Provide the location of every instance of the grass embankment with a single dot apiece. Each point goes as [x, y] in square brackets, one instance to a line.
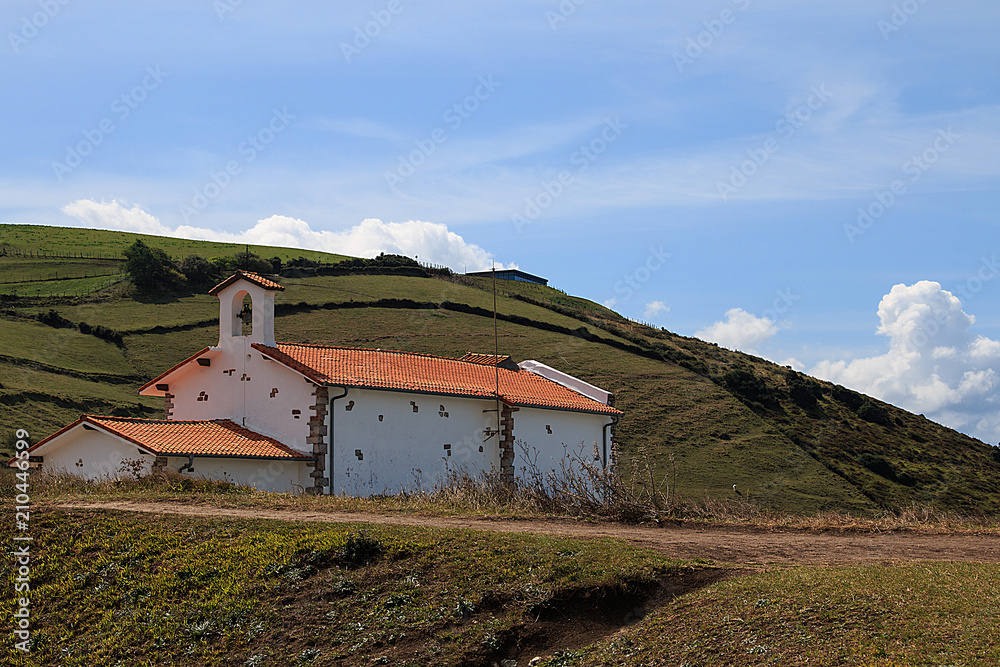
[117, 588]
[941, 614]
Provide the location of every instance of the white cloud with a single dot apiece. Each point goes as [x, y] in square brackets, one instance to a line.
[654, 309]
[935, 365]
[113, 215]
[739, 331]
[427, 241]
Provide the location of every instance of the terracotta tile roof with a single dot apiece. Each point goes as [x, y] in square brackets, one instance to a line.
[406, 371]
[246, 275]
[218, 437]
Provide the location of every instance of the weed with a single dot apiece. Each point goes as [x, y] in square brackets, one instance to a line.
[360, 548]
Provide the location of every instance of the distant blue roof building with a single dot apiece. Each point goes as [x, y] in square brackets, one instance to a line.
[511, 274]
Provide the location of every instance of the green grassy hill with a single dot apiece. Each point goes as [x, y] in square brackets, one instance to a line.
[787, 441]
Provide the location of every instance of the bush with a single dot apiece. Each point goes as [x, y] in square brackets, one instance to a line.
[851, 399]
[55, 320]
[108, 335]
[747, 385]
[879, 465]
[359, 549]
[874, 414]
[301, 263]
[803, 391]
[200, 272]
[149, 267]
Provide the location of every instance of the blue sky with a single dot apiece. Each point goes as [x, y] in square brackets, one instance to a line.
[759, 173]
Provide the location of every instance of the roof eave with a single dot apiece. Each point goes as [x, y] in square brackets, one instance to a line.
[173, 369]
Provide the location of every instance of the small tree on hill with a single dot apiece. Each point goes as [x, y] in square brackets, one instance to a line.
[148, 267]
[199, 271]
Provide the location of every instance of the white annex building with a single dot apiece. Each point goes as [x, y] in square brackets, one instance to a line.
[321, 419]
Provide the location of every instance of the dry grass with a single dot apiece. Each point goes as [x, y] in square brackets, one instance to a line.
[580, 490]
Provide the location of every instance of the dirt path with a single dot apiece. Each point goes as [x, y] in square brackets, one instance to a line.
[725, 543]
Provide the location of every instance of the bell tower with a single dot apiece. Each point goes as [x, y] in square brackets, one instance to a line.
[236, 310]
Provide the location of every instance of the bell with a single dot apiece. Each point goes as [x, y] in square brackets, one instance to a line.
[246, 314]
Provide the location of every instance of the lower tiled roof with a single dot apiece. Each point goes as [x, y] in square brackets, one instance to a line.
[218, 437]
[407, 371]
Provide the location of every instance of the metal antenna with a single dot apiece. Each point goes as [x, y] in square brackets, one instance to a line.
[496, 344]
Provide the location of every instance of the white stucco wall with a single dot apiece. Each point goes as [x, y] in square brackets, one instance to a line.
[263, 475]
[549, 435]
[403, 442]
[92, 455]
[97, 455]
[263, 395]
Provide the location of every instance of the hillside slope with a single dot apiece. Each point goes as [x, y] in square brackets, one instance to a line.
[702, 417]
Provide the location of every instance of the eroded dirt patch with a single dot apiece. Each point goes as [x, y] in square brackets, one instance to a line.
[578, 618]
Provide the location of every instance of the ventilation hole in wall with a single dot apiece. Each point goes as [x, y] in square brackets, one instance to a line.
[415, 407]
[274, 392]
[548, 429]
[202, 396]
[245, 378]
[349, 406]
[296, 413]
[380, 417]
[229, 372]
[448, 449]
[79, 464]
[357, 452]
[480, 448]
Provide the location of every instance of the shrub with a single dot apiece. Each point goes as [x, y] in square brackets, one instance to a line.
[148, 267]
[803, 391]
[360, 548]
[874, 414]
[746, 385]
[199, 271]
[851, 399]
[879, 465]
[55, 320]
